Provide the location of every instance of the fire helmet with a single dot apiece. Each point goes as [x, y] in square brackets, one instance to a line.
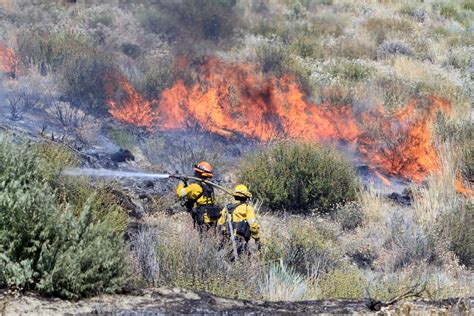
[204, 169]
[242, 191]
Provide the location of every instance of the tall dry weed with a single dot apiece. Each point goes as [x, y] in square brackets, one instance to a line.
[438, 196]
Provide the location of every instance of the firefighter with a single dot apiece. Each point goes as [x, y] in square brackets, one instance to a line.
[241, 216]
[198, 197]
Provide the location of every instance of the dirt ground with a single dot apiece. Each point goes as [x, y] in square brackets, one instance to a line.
[160, 301]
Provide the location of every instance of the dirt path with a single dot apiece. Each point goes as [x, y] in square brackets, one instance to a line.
[178, 301]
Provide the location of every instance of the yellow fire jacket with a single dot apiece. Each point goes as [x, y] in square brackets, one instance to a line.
[194, 192]
[243, 212]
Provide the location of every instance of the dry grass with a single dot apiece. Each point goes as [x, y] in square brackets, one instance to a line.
[438, 196]
[373, 205]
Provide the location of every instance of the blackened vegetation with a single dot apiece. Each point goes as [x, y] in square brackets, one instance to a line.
[123, 155]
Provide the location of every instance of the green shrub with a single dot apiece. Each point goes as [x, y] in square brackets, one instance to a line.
[43, 246]
[54, 158]
[123, 138]
[345, 282]
[50, 51]
[151, 20]
[468, 5]
[305, 246]
[451, 11]
[349, 216]
[278, 60]
[299, 177]
[271, 58]
[104, 207]
[158, 75]
[352, 71]
[193, 20]
[83, 81]
[458, 225]
[101, 18]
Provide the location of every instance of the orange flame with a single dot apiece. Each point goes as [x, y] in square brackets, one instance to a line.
[231, 99]
[384, 180]
[135, 109]
[463, 188]
[402, 143]
[9, 62]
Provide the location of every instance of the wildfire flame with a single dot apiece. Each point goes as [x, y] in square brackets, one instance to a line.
[463, 188]
[134, 109]
[9, 62]
[237, 99]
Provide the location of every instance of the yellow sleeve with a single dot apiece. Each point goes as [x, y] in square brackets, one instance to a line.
[179, 189]
[191, 192]
[222, 219]
[254, 225]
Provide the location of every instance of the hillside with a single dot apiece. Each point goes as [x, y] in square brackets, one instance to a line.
[350, 122]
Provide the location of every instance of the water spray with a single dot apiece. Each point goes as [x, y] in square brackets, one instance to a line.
[107, 173]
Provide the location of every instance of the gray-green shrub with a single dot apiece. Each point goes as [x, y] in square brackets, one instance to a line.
[49, 51]
[299, 177]
[83, 81]
[458, 226]
[43, 246]
[192, 20]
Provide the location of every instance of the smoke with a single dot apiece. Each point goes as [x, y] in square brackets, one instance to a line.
[77, 172]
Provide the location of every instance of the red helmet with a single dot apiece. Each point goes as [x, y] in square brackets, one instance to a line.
[204, 169]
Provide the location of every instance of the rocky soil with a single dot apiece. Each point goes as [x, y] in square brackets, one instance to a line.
[178, 301]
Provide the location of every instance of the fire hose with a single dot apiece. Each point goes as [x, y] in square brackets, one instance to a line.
[79, 172]
[185, 177]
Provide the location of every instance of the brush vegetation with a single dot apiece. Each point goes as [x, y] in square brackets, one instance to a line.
[303, 178]
[53, 247]
[329, 239]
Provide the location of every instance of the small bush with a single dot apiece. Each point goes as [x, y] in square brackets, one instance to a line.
[305, 246]
[158, 75]
[382, 28]
[50, 51]
[192, 20]
[83, 81]
[468, 5]
[349, 216]
[299, 177]
[468, 158]
[451, 11]
[123, 138]
[388, 48]
[131, 50]
[43, 246]
[101, 19]
[53, 159]
[104, 207]
[345, 282]
[271, 57]
[351, 71]
[410, 243]
[354, 47]
[458, 225]
[151, 20]
[281, 283]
